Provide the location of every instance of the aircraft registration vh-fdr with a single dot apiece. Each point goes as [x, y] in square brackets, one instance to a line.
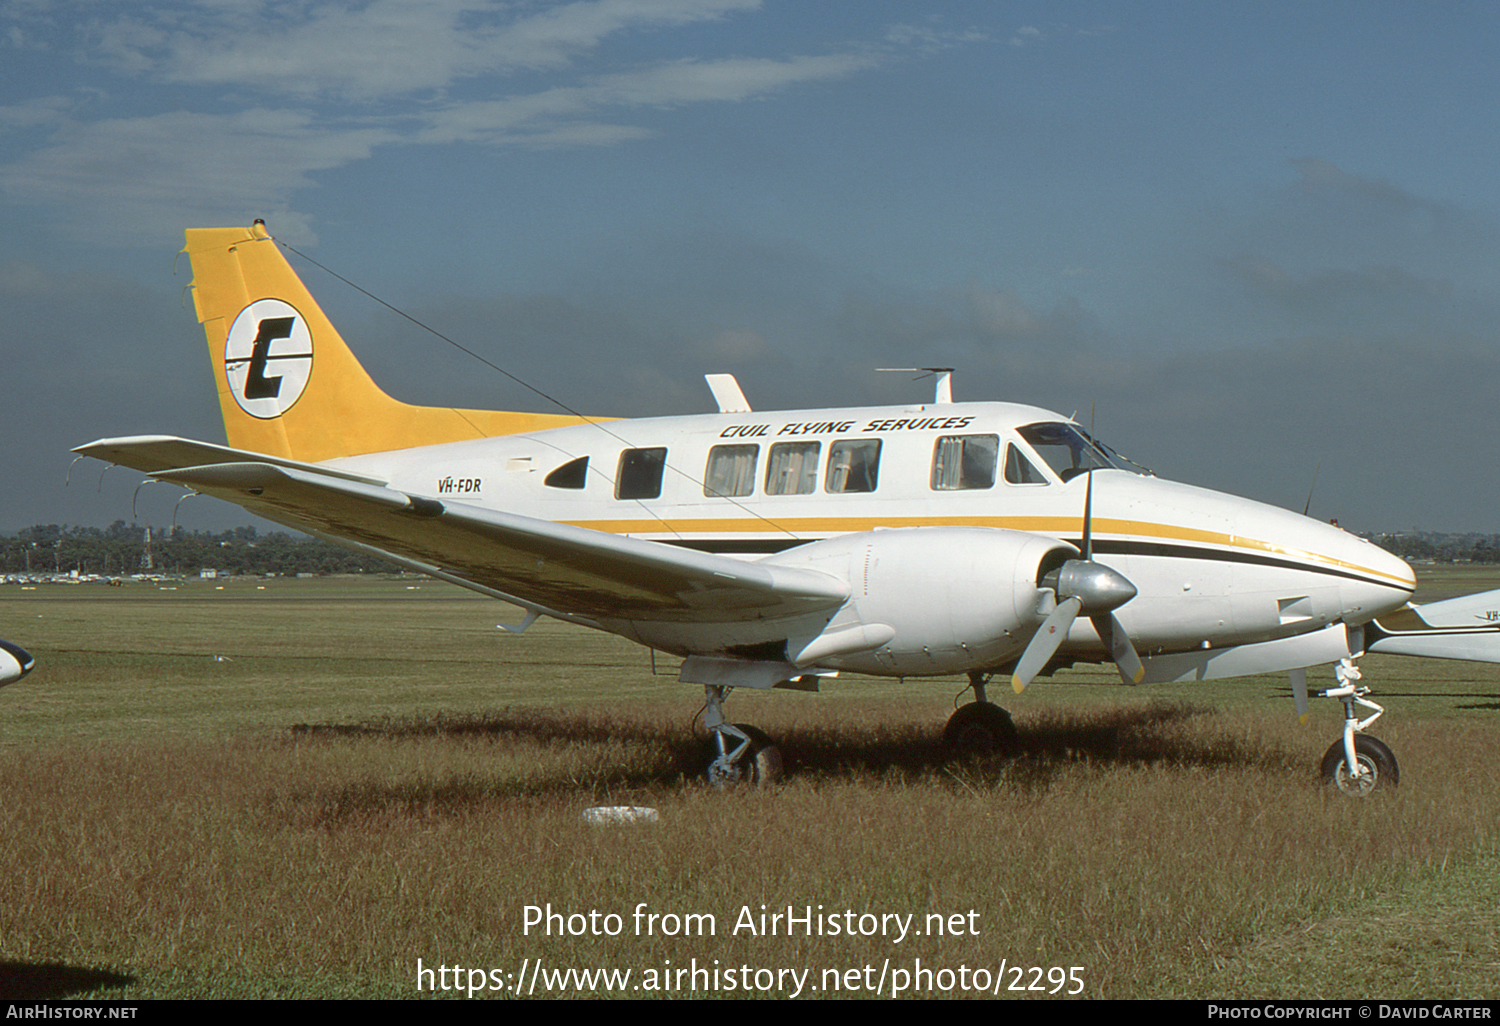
[768, 549]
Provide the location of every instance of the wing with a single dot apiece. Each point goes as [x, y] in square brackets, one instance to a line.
[1467, 627]
[555, 568]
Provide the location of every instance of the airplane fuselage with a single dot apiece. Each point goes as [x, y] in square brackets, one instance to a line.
[1211, 570]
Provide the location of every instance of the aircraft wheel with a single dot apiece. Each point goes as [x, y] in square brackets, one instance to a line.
[1373, 755]
[759, 767]
[981, 728]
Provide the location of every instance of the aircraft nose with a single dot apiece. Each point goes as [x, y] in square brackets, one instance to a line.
[1379, 583]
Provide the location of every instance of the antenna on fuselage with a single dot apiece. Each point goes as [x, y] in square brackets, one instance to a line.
[727, 393]
[943, 393]
[1310, 488]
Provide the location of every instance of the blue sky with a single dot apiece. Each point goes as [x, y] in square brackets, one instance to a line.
[1261, 239]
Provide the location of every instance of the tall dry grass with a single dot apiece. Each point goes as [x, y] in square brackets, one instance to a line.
[304, 790]
[1154, 845]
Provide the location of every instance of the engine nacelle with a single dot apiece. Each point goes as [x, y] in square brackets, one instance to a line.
[15, 663]
[926, 601]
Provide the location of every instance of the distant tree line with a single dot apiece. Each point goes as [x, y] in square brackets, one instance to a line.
[117, 550]
[1442, 548]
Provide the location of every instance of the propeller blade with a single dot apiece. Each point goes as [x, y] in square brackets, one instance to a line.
[1088, 498]
[1112, 633]
[1088, 518]
[1044, 642]
[1299, 691]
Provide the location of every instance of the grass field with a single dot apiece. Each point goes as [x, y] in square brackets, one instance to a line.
[302, 788]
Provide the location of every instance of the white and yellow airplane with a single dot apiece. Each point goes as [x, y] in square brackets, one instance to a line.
[769, 548]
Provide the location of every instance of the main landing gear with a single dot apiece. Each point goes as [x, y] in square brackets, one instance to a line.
[1373, 765]
[739, 753]
[981, 727]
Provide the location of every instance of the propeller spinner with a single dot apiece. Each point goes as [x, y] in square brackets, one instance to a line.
[1096, 591]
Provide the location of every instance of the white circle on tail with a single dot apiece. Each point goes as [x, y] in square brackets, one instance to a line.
[268, 358]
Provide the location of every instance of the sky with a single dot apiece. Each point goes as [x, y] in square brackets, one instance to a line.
[1261, 242]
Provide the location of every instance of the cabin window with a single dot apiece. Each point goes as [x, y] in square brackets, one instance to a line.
[1019, 470]
[853, 465]
[572, 474]
[792, 468]
[960, 462]
[640, 473]
[731, 470]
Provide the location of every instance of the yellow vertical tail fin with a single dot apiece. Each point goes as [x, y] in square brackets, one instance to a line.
[288, 384]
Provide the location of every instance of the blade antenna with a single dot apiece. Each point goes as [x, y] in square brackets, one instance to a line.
[1308, 505]
[1088, 498]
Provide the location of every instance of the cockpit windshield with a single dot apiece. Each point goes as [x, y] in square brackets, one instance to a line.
[1070, 452]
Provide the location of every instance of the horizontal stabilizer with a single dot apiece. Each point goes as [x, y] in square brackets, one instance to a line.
[152, 453]
[1467, 627]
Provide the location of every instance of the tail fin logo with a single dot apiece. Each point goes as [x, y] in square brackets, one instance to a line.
[268, 358]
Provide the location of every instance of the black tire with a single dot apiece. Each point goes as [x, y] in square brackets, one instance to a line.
[981, 728]
[1373, 755]
[760, 766]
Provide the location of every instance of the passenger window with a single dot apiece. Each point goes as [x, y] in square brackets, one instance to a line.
[640, 473]
[792, 468]
[1018, 469]
[573, 474]
[964, 461]
[731, 470]
[853, 465]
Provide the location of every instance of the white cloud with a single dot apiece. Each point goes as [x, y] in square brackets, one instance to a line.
[998, 313]
[387, 48]
[737, 345]
[928, 39]
[42, 111]
[135, 174]
[547, 117]
[732, 79]
[382, 73]
[1026, 34]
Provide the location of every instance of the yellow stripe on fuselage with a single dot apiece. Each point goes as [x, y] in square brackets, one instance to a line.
[800, 527]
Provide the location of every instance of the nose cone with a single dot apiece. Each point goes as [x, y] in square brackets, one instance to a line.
[1386, 585]
[15, 663]
[1370, 580]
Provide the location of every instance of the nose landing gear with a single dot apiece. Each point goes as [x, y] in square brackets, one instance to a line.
[1357, 764]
